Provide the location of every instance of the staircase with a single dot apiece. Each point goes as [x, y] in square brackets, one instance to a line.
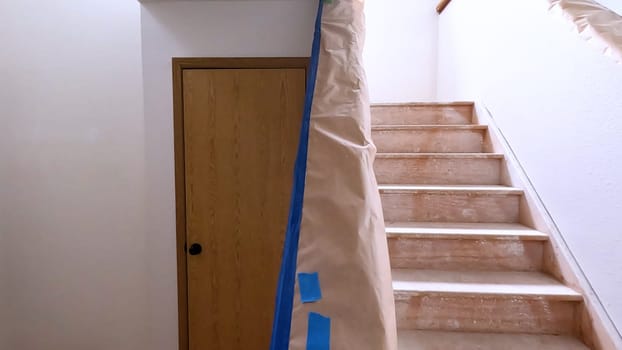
[466, 274]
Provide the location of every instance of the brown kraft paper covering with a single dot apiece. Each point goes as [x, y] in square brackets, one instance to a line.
[342, 233]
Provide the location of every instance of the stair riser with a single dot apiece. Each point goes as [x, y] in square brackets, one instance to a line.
[438, 171]
[465, 254]
[437, 340]
[422, 115]
[429, 141]
[450, 207]
[485, 314]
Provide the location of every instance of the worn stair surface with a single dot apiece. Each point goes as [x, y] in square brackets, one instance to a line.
[429, 138]
[482, 301]
[439, 168]
[465, 246]
[432, 340]
[439, 203]
[466, 273]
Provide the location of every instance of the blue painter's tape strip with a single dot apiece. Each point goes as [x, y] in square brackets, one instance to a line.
[309, 284]
[281, 327]
[318, 332]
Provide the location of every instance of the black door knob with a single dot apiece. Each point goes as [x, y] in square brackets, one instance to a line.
[195, 249]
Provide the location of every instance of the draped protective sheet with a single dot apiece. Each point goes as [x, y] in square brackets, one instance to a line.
[336, 226]
[595, 23]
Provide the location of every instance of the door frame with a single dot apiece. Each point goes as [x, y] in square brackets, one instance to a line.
[179, 65]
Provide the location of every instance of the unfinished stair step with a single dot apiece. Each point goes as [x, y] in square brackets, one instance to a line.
[437, 340]
[465, 230]
[527, 285]
[435, 203]
[429, 138]
[484, 301]
[465, 246]
[457, 113]
[439, 168]
[452, 189]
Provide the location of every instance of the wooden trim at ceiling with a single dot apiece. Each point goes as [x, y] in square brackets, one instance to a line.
[240, 63]
[179, 65]
[442, 5]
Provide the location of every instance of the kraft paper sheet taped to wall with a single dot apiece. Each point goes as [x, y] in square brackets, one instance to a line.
[336, 226]
[595, 23]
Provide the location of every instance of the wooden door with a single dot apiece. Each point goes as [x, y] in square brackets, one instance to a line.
[240, 136]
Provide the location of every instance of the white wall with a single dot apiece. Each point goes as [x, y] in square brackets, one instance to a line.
[401, 50]
[615, 5]
[197, 29]
[558, 101]
[72, 184]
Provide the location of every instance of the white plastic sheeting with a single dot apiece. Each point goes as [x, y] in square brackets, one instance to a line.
[595, 23]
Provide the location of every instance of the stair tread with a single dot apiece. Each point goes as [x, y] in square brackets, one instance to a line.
[465, 230]
[394, 127]
[465, 155]
[439, 340]
[492, 283]
[468, 189]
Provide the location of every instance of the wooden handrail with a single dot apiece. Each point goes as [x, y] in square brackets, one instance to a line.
[441, 6]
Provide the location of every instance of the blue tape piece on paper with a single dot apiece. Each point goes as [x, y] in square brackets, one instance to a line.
[318, 333]
[309, 283]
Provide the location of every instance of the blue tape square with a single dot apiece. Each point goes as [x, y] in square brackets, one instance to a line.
[318, 333]
[309, 283]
